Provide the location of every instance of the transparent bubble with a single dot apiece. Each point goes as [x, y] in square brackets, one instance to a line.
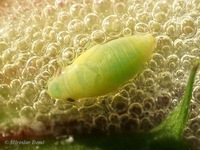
[165, 79]
[49, 33]
[141, 79]
[178, 7]
[59, 3]
[81, 40]
[48, 11]
[120, 8]
[163, 99]
[119, 104]
[63, 38]
[146, 124]
[40, 81]
[45, 75]
[153, 65]
[53, 49]
[124, 93]
[92, 21]
[64, 17]
[135, 109]
[196, 93]
[195, 52]
[29, 90]
[89, 102]
[173, 62]
[131, 126]
[150, 82]
[193, 141]
[98, 36]
[161, 11]
[159, 59]
[195, 125]
[68, 55]
[93, 110]
[10, 70]
[187, 132]
[138, 96]
[15, 85]
[148, 103]
[35, 18]
[86, 2]
[130, 23]
[42, 117]
[131, 11]
[102, 6]
[30, 71]
[130, 88]
[3, 46]
[77, 10]
[127, 32]
[164, 44]
[37, 46]
[76, 25]
[32, 61]
[45, 99]
[179, 73]
[14, 105]
[190, 44]
[171, 28]
[124, 118]
[143, 17]
[58, 25]
[138, 7]
[42, 61]
[148, 73]
[31, 30]
[179, 88]
[63, 105]
[37, 34]
[112, 25]
[113, 118]
[55, 63]
[198, 133]
[141, 27]
[27, 112]
[113, 128]
[39, 107]
[155, 27]
[21, 59]
[1, 62]
[100, 121]
[158, 116]
[187, 61]
[188, 27]
[51, 70]
[191, 6]
[148, 5]
[198, 22]
[178, 46]
[7, 55]
[5, 90]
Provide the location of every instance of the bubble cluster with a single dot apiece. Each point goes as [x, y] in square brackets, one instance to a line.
[38, 38]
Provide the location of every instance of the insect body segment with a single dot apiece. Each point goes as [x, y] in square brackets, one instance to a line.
[103, 68]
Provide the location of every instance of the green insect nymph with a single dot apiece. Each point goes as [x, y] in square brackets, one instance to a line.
[103, 68]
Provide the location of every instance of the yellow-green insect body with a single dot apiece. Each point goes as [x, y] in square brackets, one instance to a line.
[103, 68]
